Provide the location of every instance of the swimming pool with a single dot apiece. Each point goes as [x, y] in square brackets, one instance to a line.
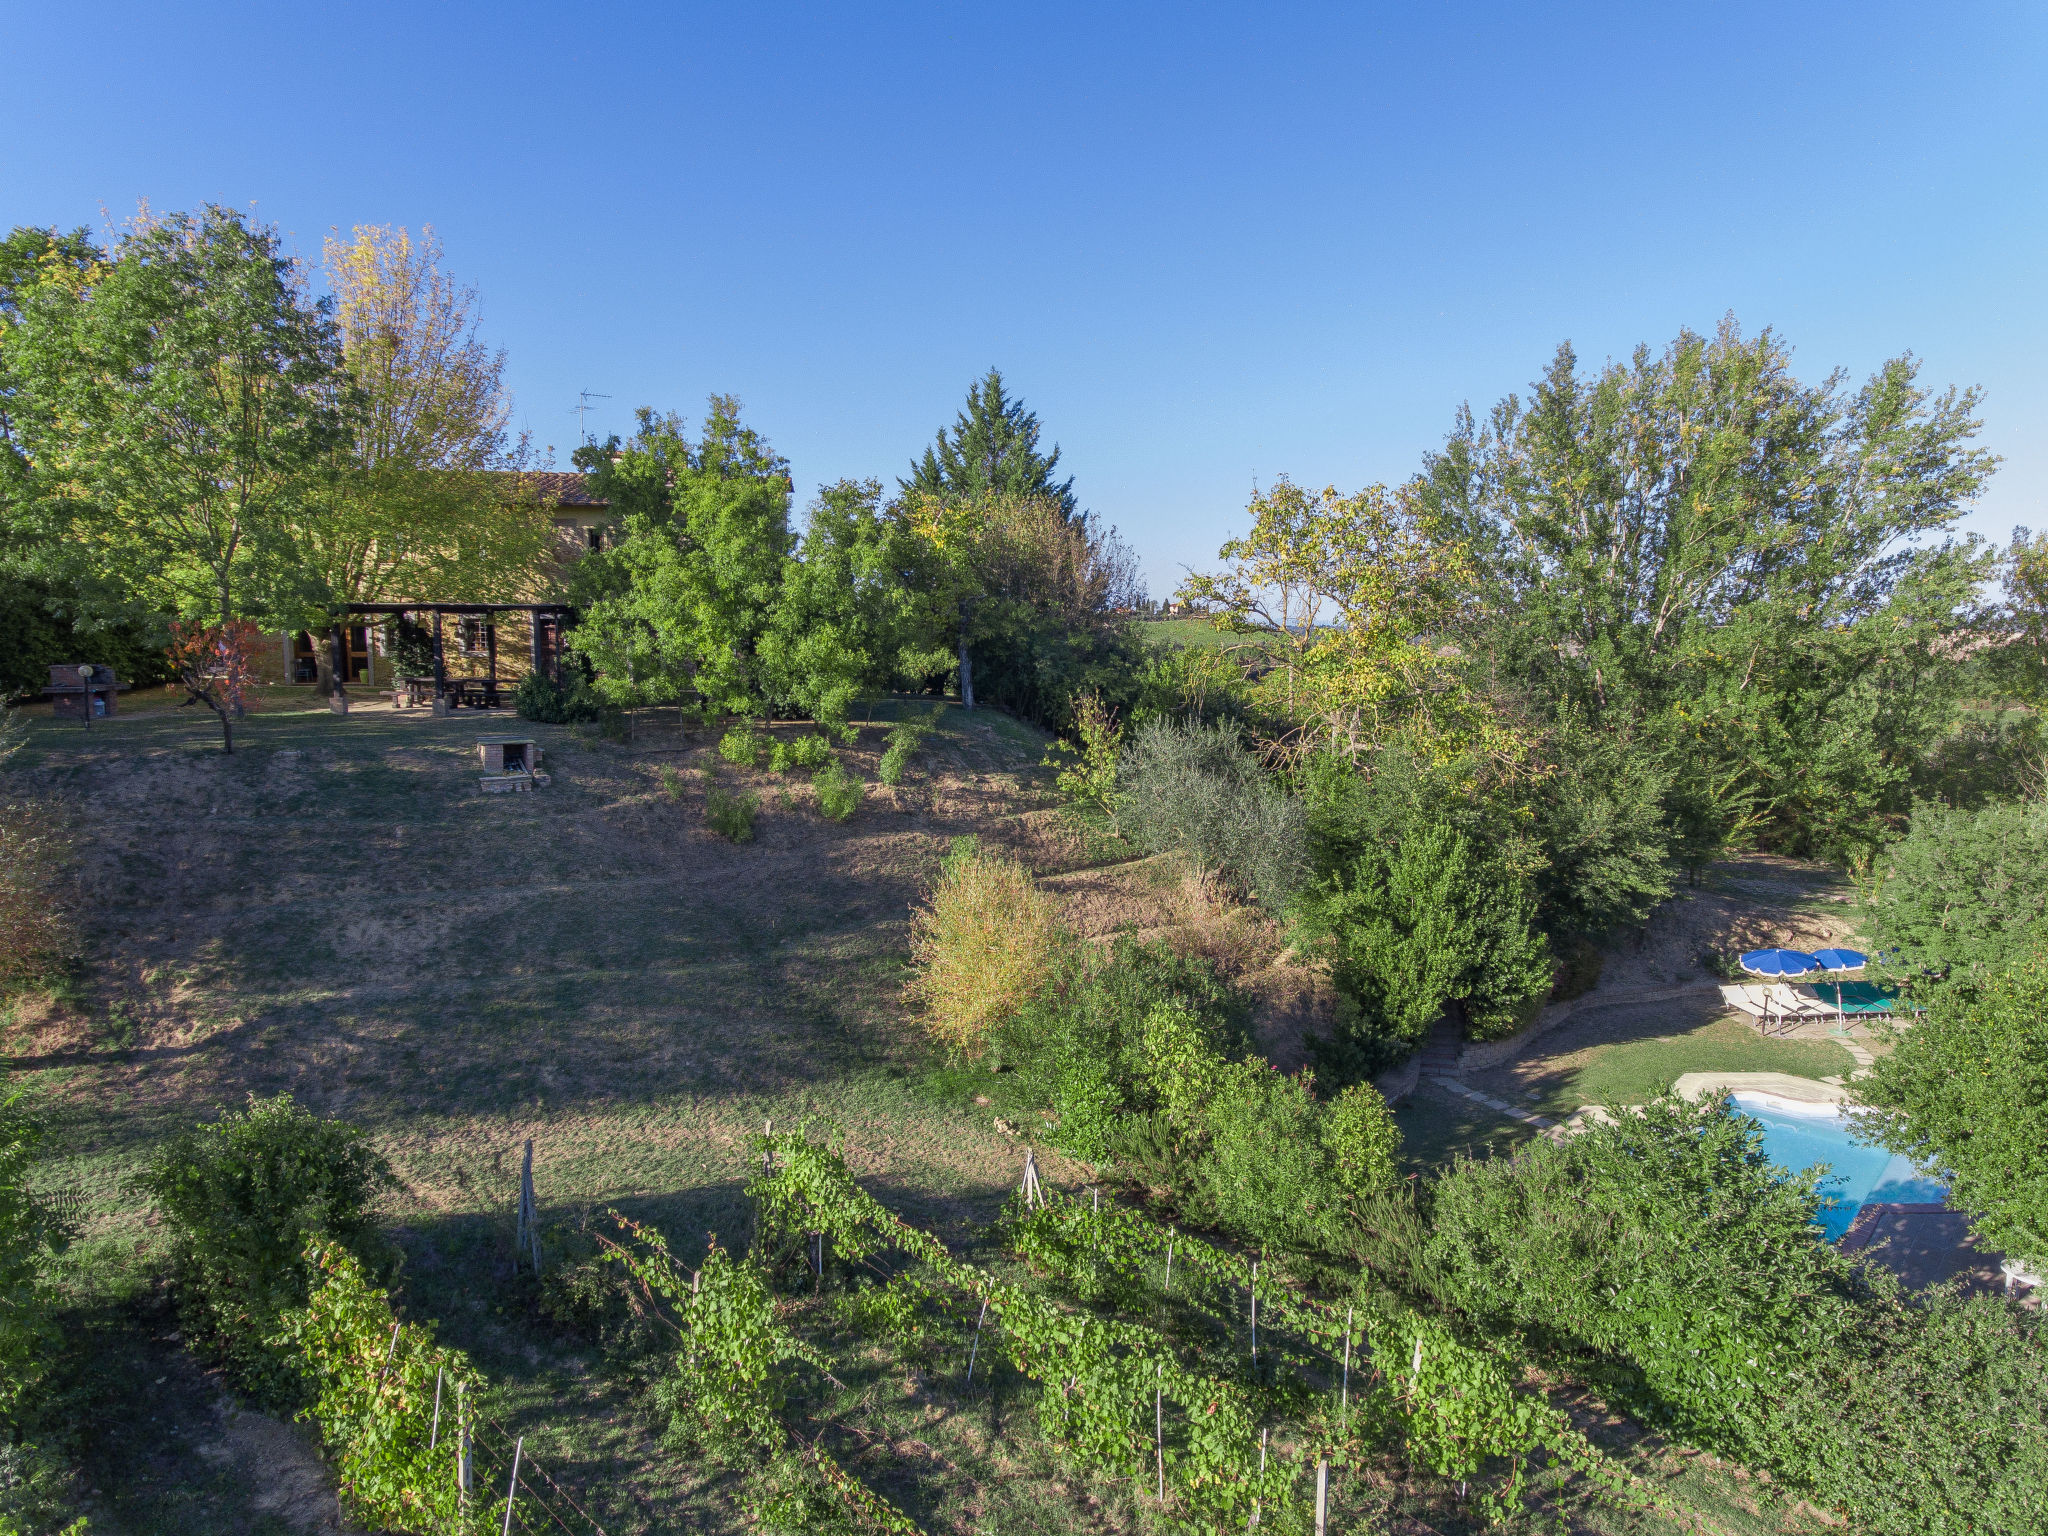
[1796, 1136]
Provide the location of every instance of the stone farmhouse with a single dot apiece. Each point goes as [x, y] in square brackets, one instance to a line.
[476, 640]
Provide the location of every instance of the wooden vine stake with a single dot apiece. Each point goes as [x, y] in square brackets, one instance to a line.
[389, 1355]
[1262, 1473]
[1170, 1237]
[461, 1452]
[975, 1348]
[1323, 1496]
[1034, 1193]
[527, 1240]
[512, 1490]
[1159, 1429]
[1344, 1400]
[434, 1434]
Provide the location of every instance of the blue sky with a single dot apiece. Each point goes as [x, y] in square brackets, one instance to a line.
[1208, 245]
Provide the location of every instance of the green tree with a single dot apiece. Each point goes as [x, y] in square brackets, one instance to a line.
[1342, 602]
[174, 413]
[992, 449]
[2020, 659]
[1696, 543]
[1418, 914]
[856, 614]
[689, 588]
[1964, 891]
[1040, 601]
[1965, 1092]
[1597, 813]
[50, 611]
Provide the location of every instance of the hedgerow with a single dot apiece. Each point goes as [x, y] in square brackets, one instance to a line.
[1667, 1260]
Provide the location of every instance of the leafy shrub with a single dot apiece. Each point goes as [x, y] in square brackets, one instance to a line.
[242, 1196]
[540, 698]
[731, 815]
[33, 1228]
[1665, 1258]
[1141, 1056]
[1966, 1092]
[1964, 891]
[982, 944]
[1412, 928]
[671, 782]
[805, 751]
[839, 792]
[34, 1492]
[1195, 788]
[1087, 773]
[1086, 1043]
[1938, 1422]
[1668, 1252]
[1285, 1169]
[744, 747]
[905, 737]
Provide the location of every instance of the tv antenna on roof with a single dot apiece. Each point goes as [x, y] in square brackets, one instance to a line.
[583, 407]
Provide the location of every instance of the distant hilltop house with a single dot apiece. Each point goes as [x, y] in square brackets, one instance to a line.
[476, 639]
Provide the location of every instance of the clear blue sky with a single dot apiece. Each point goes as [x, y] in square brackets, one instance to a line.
[1208, 245]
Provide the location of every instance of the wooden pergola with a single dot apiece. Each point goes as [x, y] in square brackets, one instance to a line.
[545, 623]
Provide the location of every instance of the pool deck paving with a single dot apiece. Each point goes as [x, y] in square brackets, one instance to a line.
[1925, 1245]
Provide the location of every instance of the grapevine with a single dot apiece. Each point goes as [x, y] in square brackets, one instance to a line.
[1104, 1379]
[395, 1409]
[1454, 1406]
[728, 1373]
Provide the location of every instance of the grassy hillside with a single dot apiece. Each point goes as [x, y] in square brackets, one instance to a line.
[336, 912]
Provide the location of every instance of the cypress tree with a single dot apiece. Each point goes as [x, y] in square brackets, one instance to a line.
[992, 446]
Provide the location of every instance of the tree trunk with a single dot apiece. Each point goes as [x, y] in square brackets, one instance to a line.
[337, 665]
[966, 673]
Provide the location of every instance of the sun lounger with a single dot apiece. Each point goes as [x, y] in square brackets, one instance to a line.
[1800, 1002]
[1746, 1000]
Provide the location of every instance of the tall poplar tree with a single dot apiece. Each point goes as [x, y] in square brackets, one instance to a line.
[992, 449]
[414, 505]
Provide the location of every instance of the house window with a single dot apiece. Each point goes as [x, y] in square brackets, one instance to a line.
[593, 538]
[469, 635]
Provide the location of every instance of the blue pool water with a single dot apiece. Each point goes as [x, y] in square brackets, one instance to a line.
[1796, 1136]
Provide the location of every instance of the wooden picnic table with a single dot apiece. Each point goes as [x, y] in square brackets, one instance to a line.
[470, 692]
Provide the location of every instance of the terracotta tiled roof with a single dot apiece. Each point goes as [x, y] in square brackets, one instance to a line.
[568, 488]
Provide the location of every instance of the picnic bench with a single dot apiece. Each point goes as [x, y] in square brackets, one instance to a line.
[460, 692]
